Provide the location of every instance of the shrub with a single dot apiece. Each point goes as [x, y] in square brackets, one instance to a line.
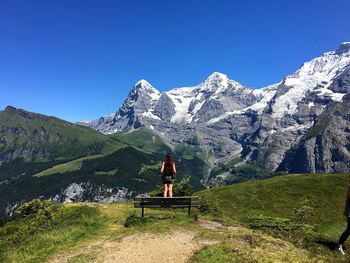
[276, 223]
[303, 211]
[35, 207]
[204, 207]
[183, 188]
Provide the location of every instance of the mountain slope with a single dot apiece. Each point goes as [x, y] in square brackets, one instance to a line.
[280, 195]
[34, 136]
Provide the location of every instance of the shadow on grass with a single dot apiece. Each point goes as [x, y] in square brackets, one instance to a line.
[331, 245]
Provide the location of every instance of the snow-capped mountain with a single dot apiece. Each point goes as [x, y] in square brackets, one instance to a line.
[231, 120]
[216, 96]
[314, 76]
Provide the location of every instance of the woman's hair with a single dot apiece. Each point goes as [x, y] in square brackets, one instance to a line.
[168, 163]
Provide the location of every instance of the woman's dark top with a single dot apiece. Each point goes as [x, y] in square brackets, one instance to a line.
[168, 174]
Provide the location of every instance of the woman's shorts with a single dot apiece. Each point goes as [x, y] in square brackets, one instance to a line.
[167, 179]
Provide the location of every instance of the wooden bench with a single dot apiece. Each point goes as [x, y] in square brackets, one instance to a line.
[166, 202]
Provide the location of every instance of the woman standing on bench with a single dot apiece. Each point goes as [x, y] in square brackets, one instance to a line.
[168, 173]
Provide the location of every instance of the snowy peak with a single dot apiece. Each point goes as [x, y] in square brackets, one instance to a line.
[142, 87]
[343, 48]
[214, 81]
[142, 83]
[327, 64]
[217, 76]
[217, 83]
[315, 76]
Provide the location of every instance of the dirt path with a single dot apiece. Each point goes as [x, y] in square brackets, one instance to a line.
[178, 246]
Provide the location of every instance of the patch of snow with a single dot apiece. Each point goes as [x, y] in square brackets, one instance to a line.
[337, 96]
[266, 93]
[155, 95]
[197, 107]
[329, 93]
[85, 121]
[296, 127]
[225, 115]
[111, 131]
[151, 127]
[182, 98]
[311, 104]
[150, 115]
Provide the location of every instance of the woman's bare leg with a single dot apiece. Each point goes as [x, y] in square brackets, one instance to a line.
[170, 190]
[165, 190]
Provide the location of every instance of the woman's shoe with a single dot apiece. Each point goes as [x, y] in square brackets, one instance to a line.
[340, 250]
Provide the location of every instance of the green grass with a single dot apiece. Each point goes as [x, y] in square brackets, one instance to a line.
[247, 246]
[142, 138]
[278, 196]
[45, 228]
[68, 166]
[303, 209]
[187, 151]
[49, 138]
[240, 172]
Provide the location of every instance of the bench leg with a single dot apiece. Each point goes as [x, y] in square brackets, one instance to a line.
[189, 210]
[142, 212]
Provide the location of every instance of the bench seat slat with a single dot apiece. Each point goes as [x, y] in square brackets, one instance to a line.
[166, 202]
[163, 206]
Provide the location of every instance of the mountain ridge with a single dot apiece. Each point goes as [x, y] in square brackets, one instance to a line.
[232, 120]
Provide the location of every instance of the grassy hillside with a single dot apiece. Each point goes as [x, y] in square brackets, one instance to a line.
[294, 218]
[278, 196]
[42, 229]
[37, 137]
[143, 138]
[306, 209]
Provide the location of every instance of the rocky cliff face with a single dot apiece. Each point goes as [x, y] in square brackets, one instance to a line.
[231, 120]
[326, 146]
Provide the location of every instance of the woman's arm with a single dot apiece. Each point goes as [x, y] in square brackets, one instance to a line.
[162, 168]
[174, 167]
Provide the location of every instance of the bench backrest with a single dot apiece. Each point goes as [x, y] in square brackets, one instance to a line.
[177, 201]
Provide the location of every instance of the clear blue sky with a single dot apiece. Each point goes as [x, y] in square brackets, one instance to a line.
[79, 59]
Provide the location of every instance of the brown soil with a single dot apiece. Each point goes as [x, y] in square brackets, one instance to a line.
[178, 246]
